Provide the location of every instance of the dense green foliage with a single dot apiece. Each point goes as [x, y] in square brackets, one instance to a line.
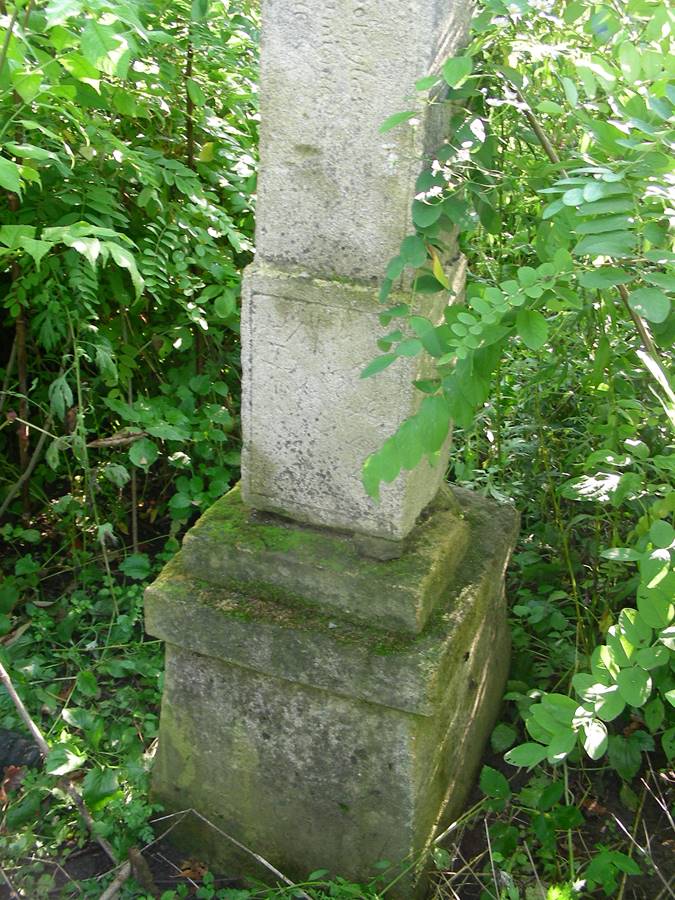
[560, 165]
[127, 157]
[558, 181]
[126, 171]
[127, 166]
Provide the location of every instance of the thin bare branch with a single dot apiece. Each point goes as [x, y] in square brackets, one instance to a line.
[116, 885]
[8, 375]
[28, 471]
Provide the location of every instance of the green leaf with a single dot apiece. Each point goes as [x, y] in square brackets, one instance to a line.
[408, 348]
[571, 92]
[457, 69]
[99, 787]
[573, 197]
[560, 706]
[434, 418]
[136, 566]
[143, 453]
[97, 41]
[503, 737]
[421, 434]
[87, 684]
[397, 119]
[651, 657]
[600, 190]
[125, 260]
[526, 755]
[668, 743]
[532, 328]
[125, 103]
[603, 224]
[630, 61]
[27, 84]
[35, 249]
[429, 335]
[650, 303]
[621, 554]
[395, 267]
[166, 432]
[30, 151]
[378, 365]
[604, 207]
[10, 176]
[624, 756]
[59, 11]
[200, 10]
[117, 474]
[635, 629]
[11, 235]
[635, 685]
[550, 795]
[414, 251]
[494, 784]
[664, 281]
[561, 745]
[662, 534]
[62, 760]
[60, 397]
[425, 214]
[317, 875]
[609, 704]
[225, 305]
[595, 738]
[427, 284]
[195, 93]
[654, 609]
[614, 243]
[654, 714]
[82, 70]
[550, 107]
[78, 718]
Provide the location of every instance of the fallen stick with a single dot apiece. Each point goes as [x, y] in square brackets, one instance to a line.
[12, 893]
[117, 440]
[261, 859]
[28, 471]
[115, 886]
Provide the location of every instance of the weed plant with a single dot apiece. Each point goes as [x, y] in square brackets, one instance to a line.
[127, 172]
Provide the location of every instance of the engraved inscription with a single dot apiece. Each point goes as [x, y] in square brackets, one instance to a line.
[302, 17]
[344, 38]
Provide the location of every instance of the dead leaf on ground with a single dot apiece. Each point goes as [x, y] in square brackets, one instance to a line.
[11, 780]
[594, 807]
[194, 869]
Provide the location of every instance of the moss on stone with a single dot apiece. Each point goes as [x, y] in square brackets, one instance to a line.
[232, 522]
[254, 602]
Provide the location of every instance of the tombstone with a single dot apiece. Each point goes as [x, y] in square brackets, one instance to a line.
[333, 665]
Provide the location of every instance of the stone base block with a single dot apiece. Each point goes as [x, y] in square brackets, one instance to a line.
[272, 558]
[317, 741]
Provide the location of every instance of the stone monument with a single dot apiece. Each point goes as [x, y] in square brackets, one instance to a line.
[333, 665]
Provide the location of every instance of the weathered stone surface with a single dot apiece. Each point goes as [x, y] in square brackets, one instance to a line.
[334, 194]
[321, 707]
[309, 421]
[334, 203]
[316, 741]
[232, 545]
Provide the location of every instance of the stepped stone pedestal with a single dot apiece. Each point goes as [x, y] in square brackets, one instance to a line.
[334, 665]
